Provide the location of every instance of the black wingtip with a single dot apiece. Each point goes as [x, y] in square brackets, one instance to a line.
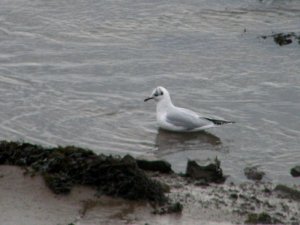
[219, 122]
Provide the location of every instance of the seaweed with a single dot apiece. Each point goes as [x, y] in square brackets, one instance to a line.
[64, 167]
[283, 38]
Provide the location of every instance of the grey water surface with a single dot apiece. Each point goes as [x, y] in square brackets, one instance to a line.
[76, 73]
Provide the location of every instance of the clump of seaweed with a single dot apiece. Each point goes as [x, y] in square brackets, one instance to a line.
[283, 38]
[64, 167]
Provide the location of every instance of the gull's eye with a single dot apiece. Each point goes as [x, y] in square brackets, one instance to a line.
[161, 93]
[157, 92]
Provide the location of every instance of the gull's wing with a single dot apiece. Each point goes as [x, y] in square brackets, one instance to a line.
[186, 119]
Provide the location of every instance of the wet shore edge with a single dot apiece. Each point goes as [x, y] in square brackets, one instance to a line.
[200, 193]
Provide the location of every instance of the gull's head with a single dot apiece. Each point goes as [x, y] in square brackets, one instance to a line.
[158, 94]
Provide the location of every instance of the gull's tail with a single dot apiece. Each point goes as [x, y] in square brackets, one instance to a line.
[219, 122]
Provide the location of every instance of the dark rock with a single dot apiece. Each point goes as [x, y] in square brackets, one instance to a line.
[209, 171]
[295, 171]
[267, 190]
[262, 218]
[169, 208]
[253, 173]
[287, 192]
[234, 196]
[283, 39]
[157, 165]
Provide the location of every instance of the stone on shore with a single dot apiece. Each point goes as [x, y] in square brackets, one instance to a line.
[156, 165]
[207, 171]
[252, 173]
[295, 171]
[287, 192]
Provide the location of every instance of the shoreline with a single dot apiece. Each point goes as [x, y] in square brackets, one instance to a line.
[27, 200]
[29, 197]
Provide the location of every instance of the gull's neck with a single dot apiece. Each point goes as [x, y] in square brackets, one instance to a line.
[164, 104]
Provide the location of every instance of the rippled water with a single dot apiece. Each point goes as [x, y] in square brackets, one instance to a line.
[76, 73]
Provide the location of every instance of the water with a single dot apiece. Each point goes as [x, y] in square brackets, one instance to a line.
[76, 73]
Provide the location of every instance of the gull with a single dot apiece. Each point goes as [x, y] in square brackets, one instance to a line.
[170, 117]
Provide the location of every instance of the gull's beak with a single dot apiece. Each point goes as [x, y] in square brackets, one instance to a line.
[149, 98]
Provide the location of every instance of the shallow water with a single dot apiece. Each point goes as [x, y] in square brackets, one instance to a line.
[76, 73]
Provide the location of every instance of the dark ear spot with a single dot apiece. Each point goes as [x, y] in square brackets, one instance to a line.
[161, 93]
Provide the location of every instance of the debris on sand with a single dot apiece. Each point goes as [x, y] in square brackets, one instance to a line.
[208, 171]
[64, 167]
[252, 173]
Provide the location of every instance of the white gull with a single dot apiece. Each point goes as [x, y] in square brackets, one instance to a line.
[170, 117]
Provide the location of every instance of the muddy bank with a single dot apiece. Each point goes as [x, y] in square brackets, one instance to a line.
[64, 167]
[27, 200]
[161, 197]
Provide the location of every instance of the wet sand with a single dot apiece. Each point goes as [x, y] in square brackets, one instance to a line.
[27, 200]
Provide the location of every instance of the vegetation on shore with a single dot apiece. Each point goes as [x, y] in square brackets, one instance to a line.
[64, 167]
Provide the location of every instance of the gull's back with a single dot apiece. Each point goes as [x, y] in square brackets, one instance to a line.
[181, 119]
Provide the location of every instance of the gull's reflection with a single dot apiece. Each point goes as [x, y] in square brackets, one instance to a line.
[168, 141]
